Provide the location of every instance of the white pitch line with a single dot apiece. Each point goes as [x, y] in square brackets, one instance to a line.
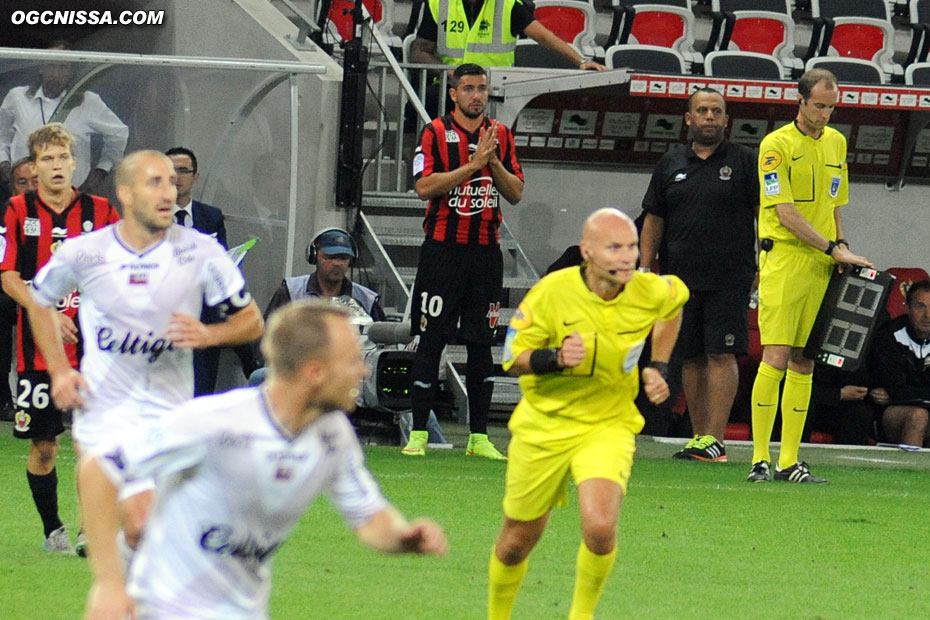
[871, 460]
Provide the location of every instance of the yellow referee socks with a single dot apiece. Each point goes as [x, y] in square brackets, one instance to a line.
[503, 584]
[795, 400]
[591, 572]
[764, 405]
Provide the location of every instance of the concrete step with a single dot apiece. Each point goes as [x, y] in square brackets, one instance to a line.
[409, 275]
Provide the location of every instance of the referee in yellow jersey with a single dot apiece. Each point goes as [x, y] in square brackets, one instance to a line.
[575, 342]
[803, 182]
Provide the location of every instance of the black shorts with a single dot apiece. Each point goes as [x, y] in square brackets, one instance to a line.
[36, 416]
[714, 322]
[458, 282]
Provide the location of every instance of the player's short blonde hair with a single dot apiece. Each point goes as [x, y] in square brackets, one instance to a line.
[52, 133]
[297, 333]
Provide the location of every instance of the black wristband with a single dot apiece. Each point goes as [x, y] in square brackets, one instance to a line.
[544, 361]
[831, 245]
[842, 241]
[662, 367]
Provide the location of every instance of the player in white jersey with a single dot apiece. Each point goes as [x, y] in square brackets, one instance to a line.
[143, 282]
[235, 473]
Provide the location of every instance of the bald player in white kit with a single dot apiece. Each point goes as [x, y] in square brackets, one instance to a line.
[143, 283]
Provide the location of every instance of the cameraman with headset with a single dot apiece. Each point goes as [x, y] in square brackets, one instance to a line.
[332, 251]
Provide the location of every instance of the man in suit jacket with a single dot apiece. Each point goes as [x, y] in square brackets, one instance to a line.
[208, 220]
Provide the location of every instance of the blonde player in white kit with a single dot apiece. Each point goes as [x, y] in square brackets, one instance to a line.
[235, 473]
[143, 283]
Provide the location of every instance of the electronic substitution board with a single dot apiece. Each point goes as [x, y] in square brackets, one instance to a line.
[848, 316]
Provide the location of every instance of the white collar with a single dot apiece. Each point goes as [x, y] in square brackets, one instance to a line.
[189, 207]
[40, 94]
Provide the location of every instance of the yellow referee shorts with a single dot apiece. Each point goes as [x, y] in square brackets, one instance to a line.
[537, 472]
[792, 283]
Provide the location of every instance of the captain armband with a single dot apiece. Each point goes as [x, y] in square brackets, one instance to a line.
[234, 304]
[545, 361]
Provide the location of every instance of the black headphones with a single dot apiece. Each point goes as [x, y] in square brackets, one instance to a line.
[312, 248]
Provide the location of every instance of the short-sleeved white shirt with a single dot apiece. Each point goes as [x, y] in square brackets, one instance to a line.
[127, 301]
[231, 485]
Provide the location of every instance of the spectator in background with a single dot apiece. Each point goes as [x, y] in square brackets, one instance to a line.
[700, 210]
[468, 31]
[23, 179]
[208, 220]
[26, 108]
[902, 368]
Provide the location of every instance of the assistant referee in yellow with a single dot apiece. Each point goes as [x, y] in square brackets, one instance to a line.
[803, 183]
[575, 342]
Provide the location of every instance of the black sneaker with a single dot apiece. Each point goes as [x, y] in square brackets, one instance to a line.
[703, 448]
[799, 472]
[760, 472]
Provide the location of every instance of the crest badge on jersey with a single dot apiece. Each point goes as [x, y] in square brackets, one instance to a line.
[772, 186]
[32, 227]
[87, 226]
[726, 173]
[835, 186]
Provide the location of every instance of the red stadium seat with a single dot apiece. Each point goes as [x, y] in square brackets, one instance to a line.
[904, 277]
[859, 29]
[767, 29]
[859, 40]
[340, 18]
[572, 21]
[664, 26]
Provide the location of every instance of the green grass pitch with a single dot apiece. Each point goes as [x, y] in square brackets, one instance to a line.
[695, 540]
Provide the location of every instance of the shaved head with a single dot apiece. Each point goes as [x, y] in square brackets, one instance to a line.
[610, 247]
[608, 216]
[127, 168]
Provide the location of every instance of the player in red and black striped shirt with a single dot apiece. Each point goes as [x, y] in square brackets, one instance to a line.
[464, 164]
[34, 225]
